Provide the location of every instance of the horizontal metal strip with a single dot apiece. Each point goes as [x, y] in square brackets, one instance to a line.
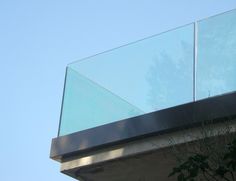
[218, 108]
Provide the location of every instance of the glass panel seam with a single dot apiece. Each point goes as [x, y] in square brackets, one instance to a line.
[195, 56]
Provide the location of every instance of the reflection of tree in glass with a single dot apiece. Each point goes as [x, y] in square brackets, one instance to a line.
[170, 77]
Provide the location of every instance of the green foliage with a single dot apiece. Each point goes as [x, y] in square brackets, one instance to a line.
[190, 169]
[230, 156]
[200, 166]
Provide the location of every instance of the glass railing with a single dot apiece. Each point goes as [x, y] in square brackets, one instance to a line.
[192, 62]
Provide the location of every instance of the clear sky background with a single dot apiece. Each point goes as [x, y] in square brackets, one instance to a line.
[38, 38]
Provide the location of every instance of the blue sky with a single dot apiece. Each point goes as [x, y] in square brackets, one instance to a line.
[38, 38]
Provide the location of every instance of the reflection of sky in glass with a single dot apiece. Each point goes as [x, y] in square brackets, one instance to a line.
[217, 55]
